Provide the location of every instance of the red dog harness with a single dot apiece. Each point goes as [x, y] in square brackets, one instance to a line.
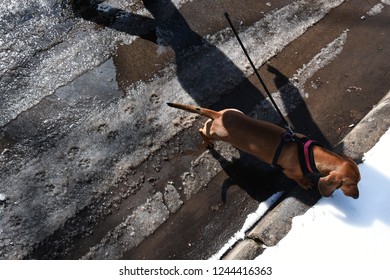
[305, 152]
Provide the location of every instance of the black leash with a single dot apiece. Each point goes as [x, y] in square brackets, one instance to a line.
[286, 124]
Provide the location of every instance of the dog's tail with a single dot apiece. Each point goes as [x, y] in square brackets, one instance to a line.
[197, 110]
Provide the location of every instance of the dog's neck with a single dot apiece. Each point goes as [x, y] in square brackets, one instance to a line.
[328, 163]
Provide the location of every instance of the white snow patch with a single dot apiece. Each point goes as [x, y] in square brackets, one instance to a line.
[375, 10]
[103, 7]
[248, 224]
[323, 58]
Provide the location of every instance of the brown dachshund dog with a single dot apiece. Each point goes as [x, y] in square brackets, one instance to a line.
[261, 139]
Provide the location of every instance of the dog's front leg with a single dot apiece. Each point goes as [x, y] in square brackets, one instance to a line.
[306, 184]
[205, 132]
[207, 141]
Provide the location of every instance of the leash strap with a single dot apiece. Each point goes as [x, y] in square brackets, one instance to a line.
[286, 124]
[287, 136]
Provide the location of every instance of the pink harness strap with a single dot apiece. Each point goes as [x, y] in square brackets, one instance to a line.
[306, 152]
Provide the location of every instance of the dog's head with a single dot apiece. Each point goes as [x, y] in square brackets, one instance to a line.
[346, 177]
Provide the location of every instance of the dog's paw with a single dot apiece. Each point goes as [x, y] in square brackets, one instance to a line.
[209, 146]
[307, 187]
[305, 184]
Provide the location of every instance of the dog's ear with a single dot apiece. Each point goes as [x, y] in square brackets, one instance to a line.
[327, 185]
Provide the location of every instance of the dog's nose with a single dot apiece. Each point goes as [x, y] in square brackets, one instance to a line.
[355, 194]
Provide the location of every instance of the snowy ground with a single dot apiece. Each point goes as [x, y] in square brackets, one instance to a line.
[338, 232]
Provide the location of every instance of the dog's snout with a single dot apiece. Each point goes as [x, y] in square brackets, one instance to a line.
[351, 190]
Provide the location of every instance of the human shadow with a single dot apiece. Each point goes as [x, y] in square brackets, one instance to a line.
[300, 117]
[204, 72]
[120, 20]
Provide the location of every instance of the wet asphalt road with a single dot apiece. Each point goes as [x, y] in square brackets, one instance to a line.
[93, 164]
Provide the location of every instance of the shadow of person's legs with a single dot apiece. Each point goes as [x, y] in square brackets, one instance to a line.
[204, 72]
[202, 69]
[100, 13]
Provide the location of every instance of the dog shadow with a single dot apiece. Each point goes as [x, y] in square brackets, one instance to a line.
[258, 179]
